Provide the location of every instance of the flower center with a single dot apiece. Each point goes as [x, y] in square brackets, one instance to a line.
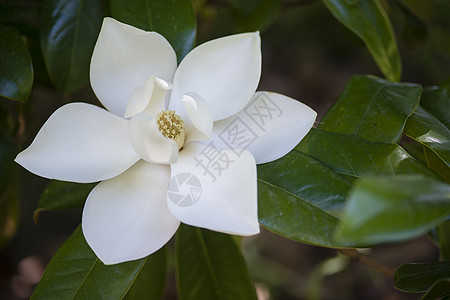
[172, 127]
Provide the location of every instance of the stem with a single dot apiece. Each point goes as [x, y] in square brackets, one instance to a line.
[369, 262]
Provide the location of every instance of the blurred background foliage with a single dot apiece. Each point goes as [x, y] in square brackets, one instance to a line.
[307, 54]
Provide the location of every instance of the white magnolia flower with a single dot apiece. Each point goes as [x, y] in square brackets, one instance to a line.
[174, 145]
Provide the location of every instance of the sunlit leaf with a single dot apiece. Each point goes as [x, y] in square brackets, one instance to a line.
[75, 272]
[16, 69]
[369, 21]
[300, 198]
[356, 157]
[69, 29]
[175, 20]
[393, 208]
[372, 109]
[209, 265]
[433, 138]
[60, 195]
[420, 277]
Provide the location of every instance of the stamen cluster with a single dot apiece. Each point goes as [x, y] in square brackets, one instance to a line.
[172, 126]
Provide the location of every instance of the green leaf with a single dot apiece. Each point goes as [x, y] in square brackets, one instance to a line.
[372, 109]
[61, 195]
[393, 208]
[427, 129]
[75, 272]
[369, 21]
[440, 288]
[300, 198]
[151, 282]
[433, 139]
[436, 100]
[356, 157]
[443, 239]
[175, 20]
[16, 68]
[69, 29]
[416, 278]
[209, 265]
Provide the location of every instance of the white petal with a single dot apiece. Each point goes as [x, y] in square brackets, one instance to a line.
[148, 141]
[214, 190]
[123, 59]
[80, 143]
[126, 218]
[225, 72]
[269, 127]
[199, 117]
[149, 98]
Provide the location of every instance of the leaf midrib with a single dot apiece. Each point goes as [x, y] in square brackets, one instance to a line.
[209, 263]
[85, 277]
[298, 197]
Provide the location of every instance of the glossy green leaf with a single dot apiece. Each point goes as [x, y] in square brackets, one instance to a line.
[440, 288]
[75, 272]
[16, 68]
[436, 100]
[420, 277]
[209, 265]
[150, 284]
[427, 129]
[356, 157]
[175, 20]
[69, 29]
[443, 239]
[300, 198]
[393, 208]
[427, 156]
[369, 21]
[61, 195]
[433, 139]
[372, 109]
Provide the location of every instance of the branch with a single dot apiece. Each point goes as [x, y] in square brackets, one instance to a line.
[369, 262]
